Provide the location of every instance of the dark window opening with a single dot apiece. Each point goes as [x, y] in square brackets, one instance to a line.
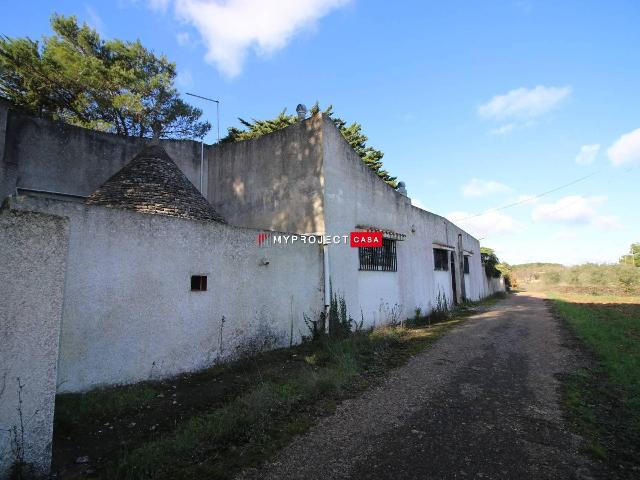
[466, 264]
[198, 283]
[381, 259]
[440, 259]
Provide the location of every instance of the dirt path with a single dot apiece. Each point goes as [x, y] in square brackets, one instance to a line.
[483, 402]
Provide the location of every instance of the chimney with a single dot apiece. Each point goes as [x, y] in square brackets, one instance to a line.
[301, 110]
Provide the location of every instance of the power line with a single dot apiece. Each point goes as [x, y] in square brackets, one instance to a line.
[562, 207]
[529, 199]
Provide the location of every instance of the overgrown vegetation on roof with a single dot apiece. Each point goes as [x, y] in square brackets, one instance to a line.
[372, 157]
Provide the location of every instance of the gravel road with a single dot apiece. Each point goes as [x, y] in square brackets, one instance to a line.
[482, 402]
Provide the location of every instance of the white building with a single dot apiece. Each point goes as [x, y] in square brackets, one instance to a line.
[146, 276]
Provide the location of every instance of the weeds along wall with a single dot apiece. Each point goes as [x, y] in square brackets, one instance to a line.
[33, 252]
[129, 312]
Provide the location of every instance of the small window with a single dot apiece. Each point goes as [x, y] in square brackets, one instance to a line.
[198, 283]
[440, 259]
[466, 264]
[382, 259]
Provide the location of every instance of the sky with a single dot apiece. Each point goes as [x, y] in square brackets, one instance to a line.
[478, 105]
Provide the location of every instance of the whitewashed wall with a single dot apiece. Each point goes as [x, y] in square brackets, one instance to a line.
[129, 314]
[354, 195]
[33, 250]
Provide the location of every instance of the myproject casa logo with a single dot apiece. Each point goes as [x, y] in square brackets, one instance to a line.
[354, 239]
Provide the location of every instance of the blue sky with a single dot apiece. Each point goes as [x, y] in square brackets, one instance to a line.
[476, 104]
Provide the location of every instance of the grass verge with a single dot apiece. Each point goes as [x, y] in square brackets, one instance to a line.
[603, 400]
[216, 422]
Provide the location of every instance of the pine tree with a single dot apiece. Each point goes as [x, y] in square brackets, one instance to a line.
[352, 133]
[113, 85]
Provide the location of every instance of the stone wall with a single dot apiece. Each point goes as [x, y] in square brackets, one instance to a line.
[32, 258]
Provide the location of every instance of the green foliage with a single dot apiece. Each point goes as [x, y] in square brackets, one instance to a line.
[633, 258]
[352, 133]
[112, 86]
[552, 278]
[74, 408]
[629, 278]
[490, 261]
[340, 323]
[589, 278]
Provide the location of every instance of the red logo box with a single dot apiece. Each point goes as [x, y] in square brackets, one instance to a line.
[262, 238]
[366, 239]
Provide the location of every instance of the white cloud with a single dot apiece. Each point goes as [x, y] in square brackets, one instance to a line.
[587, 154]
[572, 209]
[524, 103]
[607, 222]
[565, 236]
[481, 188]
[159, 5]
[184, 79]
[503, 130]
[626, 149]
[183, 38]
[94, 20]
[488, 224]
[229, 29]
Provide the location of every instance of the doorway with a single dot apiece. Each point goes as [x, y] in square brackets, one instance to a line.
[453, 278]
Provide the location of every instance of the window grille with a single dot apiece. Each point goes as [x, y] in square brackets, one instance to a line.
[382, 259]
[440, 259]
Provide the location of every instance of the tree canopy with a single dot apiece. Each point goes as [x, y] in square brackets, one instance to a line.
[633, 257]
[490, 261]
[351, 132]
[494, 268]
[109, 85]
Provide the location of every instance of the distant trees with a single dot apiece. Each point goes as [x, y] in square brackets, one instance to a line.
[371, 157]
[633, 257]
[113, 85]
[589, 277]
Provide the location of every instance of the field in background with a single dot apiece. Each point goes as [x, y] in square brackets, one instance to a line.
[601, 306]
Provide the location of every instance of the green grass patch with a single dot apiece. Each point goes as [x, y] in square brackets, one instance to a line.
[604, 400]
[74, 409]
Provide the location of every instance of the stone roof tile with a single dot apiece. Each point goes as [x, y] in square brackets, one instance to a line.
[152, 183]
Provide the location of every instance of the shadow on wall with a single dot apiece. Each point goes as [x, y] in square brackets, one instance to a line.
[273, 182]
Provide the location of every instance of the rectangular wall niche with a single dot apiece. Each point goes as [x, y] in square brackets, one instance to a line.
[198, 283]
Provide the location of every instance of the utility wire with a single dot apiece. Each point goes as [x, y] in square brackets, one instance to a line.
[562, 207]
[529, 199]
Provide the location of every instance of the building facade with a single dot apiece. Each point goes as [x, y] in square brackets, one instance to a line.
[165, 259]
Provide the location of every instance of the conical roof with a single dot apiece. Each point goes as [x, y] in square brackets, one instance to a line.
[153, 183]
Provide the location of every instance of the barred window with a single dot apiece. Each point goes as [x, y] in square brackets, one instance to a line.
[440, 259]
[379, 258]
[466, 264]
